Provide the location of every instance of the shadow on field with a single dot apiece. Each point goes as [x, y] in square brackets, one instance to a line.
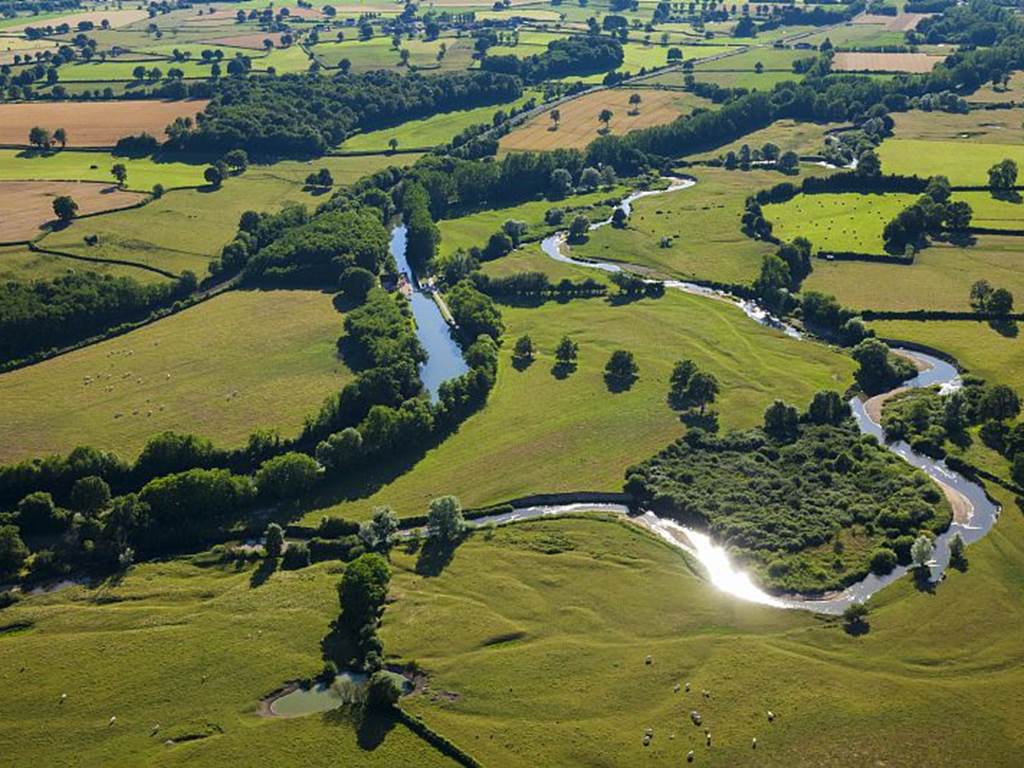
[435, 555]
[563, 370]
[857, 628]
[263, 572]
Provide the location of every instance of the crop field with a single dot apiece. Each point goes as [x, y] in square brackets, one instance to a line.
[143, 173]
[857, 36]
[578, 125]
[116, 18]
[837, 222]
[23, 48]
[901, 22]
[884, 62]
[703, 223]
[939, 278]
[128, 649]
[429, 131]
[242, 360]
[545, 610]
[28, 205]
[1001, 126]
[962, 162]
[93, 124]
[770, 58]
[474, 229]
[531, 424]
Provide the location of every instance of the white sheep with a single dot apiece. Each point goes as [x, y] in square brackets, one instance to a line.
[753, 743]
[689, 756]
[113, 719]
[771, 716]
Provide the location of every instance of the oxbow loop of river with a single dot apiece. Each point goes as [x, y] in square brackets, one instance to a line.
[722, 572]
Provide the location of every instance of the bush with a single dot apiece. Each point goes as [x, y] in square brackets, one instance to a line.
[883, 561]
[287, 476]
[296, 555]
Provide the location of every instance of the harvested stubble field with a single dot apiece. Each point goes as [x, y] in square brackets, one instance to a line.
[93, 124]
[579, 124]
[852, 61]
[901, 22]
[28, 205]
[117, 18]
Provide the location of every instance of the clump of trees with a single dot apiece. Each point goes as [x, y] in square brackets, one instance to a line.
[690, 387]
[933, 214]
[879, 368]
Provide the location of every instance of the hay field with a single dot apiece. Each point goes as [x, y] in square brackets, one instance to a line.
[579, 124]
[93, 124]
[851, 61]
[28, 205]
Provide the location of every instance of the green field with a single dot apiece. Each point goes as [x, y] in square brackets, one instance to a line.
[837, 222]
[962, 162]
[853, 36]
[68, 165]
[19, 264]
[533, 437]
[787, 135]
[191, 648]
[939, 278]
[221, 369]
[430, 131]
[378, 53]
[1002, 126]
[475, 229]
[703, 223]
[558, 617]
[101, 71]
[185, 229]
[770, 58]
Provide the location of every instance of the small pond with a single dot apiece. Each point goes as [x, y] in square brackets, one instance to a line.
[324, 697]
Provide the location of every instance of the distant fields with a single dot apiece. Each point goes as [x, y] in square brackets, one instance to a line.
[430, 131]
[884, 62]
[962, 162]
[703, 223]
[787, 135]
[1000, 126]
[579, 125]
[93, 124]
[533, 436]
[237, 362]
[69, 165]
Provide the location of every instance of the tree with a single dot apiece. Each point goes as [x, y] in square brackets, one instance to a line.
[605, 116]
[524, 349]
[237, 160]
[403, 55]
[781, 421]
[139, 73]
[341, 450]
[921, 552]
[62, 136]
[578, 229]
[287, 476]
[385, 527]
[559, 184]
[855, 615]
[64, 207]
[702, 390]
[1017, 468]
[356, 283]
[758, 68]
[120, 174]
[957, 556]
[1003, 175]
[868, 163]
[883, 561]
[36, 513]
[682, 372]
[444, 519]
[362, 590]
[213, 176]
[556, 117]
[40, 138]
[590, 179]
[1000, 403]
[621, 368]
[674, 54]
[567, 351]
[393, 144]
[90, 495]
[1000, 302]
[828, 407]
[273, 538]
[980, 292]
[13, 552]
[634, 102]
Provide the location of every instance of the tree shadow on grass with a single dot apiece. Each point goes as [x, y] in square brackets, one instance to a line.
[260, 576]
[1007, 195]
[618, 384]
[563, 370]
[708, 421]
[857, 628]
[1007, 328]
[521, 363]
[923, 580]
[435, 555]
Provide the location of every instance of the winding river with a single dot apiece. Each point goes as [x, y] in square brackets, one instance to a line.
[981, 512]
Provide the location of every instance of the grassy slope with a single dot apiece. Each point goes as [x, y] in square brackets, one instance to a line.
[573, 688]
[274, 349]
[77, 166]
[187, 228]
[538, 433]
[962, 162]
[19, 264]
[940, 277]
[186, 648]
[704, 223]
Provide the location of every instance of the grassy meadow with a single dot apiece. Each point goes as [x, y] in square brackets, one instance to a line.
[239, 361]
[68, 165]
[964, 163]
[533, 436]
[183, 651]
[703, 223]
[837, 222]
[939, 278]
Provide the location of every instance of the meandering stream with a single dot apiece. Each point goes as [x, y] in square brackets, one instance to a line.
[722, 572]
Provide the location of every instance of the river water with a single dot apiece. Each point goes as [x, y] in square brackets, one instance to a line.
[444, 356]
[722, 572]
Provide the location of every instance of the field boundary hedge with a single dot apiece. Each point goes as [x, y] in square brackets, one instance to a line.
[97, 260]
[438, 741]
[936, 314]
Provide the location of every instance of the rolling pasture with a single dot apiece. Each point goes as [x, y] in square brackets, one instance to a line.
[221, 369]
[28, 205]
[962, 162]
[838, 222]
[70, 165]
